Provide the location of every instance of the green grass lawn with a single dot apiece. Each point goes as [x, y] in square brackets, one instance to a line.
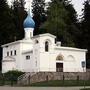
[86, 89]
[10, 83]
[58, 83]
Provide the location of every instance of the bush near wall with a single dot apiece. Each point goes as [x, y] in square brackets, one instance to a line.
[10, 77]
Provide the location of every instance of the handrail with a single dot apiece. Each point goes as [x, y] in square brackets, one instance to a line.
[24, 77]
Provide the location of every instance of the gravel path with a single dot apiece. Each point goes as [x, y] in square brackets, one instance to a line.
[41, 88]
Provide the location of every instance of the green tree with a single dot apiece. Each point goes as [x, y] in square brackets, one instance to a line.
[7, 28]
[11, 22]
[85, 39]
[72, 22]
[19, 15]
[57, 22]
[12, 76]
[39, 14]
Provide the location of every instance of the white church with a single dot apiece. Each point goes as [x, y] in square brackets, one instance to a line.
[40, 53]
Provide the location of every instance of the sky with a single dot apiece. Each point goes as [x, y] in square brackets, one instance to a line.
[78, 5]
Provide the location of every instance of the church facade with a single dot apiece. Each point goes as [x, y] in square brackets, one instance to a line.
[40, 53]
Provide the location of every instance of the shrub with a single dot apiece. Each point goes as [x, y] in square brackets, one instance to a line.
[12, 75]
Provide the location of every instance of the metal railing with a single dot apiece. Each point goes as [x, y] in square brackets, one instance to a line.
[24, 78]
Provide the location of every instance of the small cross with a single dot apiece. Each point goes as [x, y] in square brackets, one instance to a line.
[29, 7]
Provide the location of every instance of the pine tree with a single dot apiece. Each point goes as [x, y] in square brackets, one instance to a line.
[19, 15]
[11, 22]
[39, 14]
[7, 28]
[72, 23]
[85, 39]
[56, 23]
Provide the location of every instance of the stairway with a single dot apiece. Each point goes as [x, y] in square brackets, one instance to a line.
[25, 78]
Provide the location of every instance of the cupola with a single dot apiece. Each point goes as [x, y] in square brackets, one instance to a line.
[28, 22]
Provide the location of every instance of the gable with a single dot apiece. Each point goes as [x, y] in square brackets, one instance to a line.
[44, 35]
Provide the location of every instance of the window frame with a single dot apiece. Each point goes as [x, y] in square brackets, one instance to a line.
[8, 53]
[36, 41]
[15, 53]
[46, 46]
[27, 57]
[11, 53]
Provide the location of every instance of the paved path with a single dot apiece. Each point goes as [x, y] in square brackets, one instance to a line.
[41, 88]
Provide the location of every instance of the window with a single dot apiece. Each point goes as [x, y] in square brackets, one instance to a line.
[59, 57]
[14, 52]
[36, 63]
[11, 53]
[70, 58]
[7, 53]
[36, 41]
[55, 40]
[46, 46]
[6, 46]
[30, 34]
[27, 57]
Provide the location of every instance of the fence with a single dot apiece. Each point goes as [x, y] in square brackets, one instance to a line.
[29, 78]
[46, 76]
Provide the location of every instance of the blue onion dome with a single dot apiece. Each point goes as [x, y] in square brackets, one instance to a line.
[29, 22]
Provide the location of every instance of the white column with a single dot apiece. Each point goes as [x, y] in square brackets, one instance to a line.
[28, 33]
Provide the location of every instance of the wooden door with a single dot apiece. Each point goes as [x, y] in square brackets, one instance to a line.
[59, 67]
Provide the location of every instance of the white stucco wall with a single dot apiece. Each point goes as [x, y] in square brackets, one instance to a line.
[48, 59]
[28, 63]
[36, 55]
[9, 65]
[22, 45]
[71, 66]
[9, 48]
[41, 61]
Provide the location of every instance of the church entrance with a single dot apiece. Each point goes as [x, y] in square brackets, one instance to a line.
[59, 67]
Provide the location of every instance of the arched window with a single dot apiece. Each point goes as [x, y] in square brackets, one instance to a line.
[70, 58]
[46, 46]
[59, 57]
[36, 41]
